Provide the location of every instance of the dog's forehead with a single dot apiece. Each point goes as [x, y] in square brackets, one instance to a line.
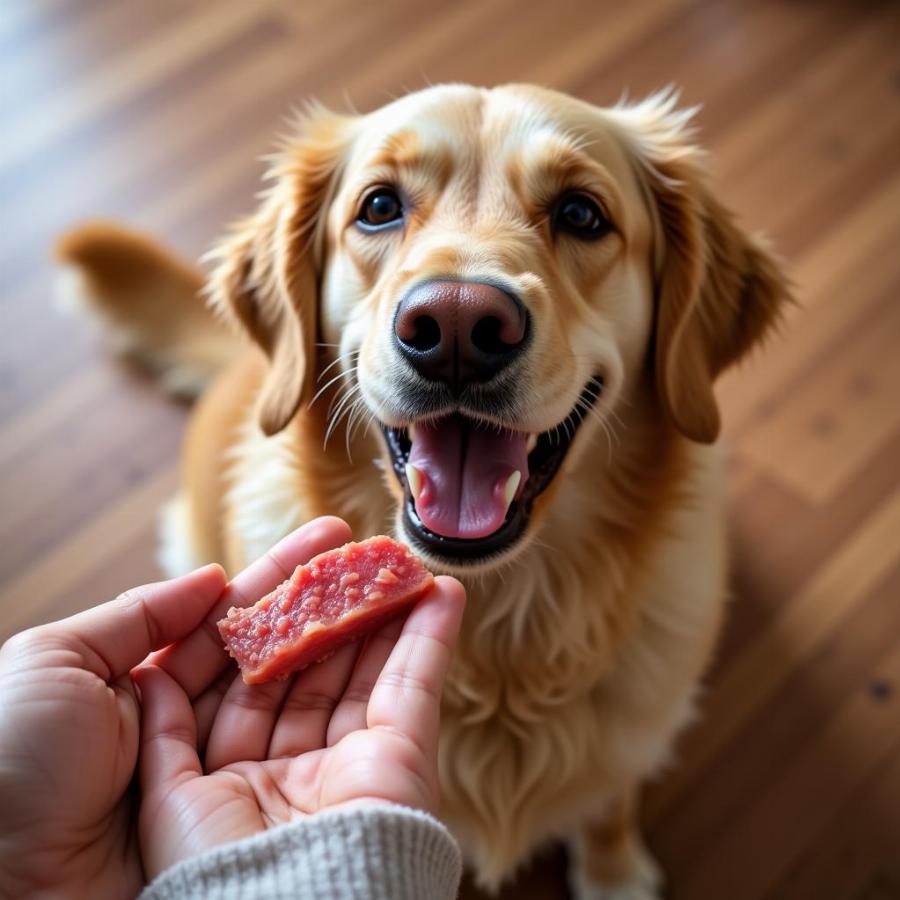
[513, 121]
[529, 120]
[437, 116]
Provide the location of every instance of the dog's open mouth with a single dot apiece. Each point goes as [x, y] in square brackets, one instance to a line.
[470, 487]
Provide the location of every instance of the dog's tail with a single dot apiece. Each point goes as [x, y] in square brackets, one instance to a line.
[148, 300]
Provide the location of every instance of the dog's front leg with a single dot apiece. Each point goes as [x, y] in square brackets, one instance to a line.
[608, 859]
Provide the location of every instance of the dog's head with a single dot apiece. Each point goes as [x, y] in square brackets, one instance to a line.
[497, 271]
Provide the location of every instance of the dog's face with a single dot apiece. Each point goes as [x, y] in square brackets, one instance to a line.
[496, 271]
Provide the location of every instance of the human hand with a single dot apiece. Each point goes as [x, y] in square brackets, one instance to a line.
[221, 760]
[69, 720]
[69, 739]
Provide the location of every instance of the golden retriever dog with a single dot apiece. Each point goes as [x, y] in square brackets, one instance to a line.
[515, 304]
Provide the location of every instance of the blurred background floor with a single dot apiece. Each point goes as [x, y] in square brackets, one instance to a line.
[155, 113]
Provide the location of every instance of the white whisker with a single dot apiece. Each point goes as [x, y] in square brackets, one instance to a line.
[331, 382]
[364, 418]
[369, 422]
[358, 413]
[618, 419]
[609, 447]
[346, 397]
[347, 428]
[341, 392]
[330, 430]
[334, 362]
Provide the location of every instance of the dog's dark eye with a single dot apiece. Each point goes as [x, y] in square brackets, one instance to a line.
[382, 207]
[580, 216]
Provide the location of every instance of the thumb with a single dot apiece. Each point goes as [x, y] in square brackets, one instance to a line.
[114, 637]
[407, 694]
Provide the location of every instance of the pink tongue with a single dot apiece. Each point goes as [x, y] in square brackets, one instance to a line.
[464, 471]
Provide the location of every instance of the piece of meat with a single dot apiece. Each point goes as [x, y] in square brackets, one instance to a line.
[334, 599]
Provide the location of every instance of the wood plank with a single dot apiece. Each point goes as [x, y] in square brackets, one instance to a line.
[805, 621]
[811, 441]
[135, 161]
[857, 839]
[684, 49]
[26, 23]
[788, 727]
[851, 260]
[22, 382]
[133, 563]
[813, 787]
[834, 148]
[33, 597]
[38, 424]
[35, 67]
[97, 454]
[766, 572]
[600, 37]
[124, 76]
[775, 122]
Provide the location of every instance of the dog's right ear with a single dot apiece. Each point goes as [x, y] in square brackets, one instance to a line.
[267, 272]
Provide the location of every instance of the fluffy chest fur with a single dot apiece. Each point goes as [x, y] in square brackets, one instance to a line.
[578, 661]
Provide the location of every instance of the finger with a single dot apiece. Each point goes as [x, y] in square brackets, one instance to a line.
[197, 661]
[303, 722]
[350, 712]
[207, 704]
[244, 723]
[114, 637]
[407, 695]
[168, 731]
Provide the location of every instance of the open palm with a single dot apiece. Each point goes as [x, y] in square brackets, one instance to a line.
[360, 727]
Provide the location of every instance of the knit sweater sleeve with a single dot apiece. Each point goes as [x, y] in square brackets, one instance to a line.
[364, 852]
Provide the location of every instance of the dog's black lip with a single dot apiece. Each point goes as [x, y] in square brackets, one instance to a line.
[544, 462]
[465, 548]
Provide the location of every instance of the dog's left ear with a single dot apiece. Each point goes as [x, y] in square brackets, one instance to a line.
[719, 290]
[267, 272]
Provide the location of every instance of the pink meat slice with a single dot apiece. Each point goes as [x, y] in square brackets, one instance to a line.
[334, 599]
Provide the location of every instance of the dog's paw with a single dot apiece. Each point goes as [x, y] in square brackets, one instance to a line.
[645, 884]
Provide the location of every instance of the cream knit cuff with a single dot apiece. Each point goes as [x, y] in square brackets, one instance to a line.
[378, 852]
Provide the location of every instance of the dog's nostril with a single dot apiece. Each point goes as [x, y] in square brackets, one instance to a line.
[426, 334]
[486, 336]
[459, 332]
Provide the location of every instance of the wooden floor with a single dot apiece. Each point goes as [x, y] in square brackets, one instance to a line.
[156, 112]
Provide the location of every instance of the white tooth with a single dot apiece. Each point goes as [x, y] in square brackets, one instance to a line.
[415, 481]
[511, 486]
[531, 443]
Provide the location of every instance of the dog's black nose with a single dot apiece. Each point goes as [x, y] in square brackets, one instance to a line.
[460, 332]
